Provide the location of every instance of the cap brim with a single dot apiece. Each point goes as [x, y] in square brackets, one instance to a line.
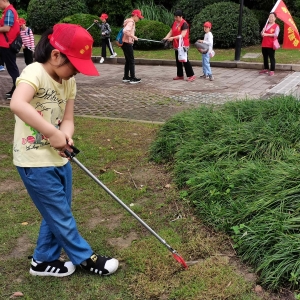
[84, 66]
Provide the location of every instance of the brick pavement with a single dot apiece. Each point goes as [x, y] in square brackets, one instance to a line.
[158, 97]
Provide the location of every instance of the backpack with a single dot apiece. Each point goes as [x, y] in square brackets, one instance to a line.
[119, 38]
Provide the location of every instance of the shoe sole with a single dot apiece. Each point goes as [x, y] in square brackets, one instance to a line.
[35, 273]
[126, 80]
[134, 82]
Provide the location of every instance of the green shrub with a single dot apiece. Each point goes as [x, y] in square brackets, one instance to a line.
[224, 17]
[239, 165]
[156, 12]
[116, 10]
[85, 20]
[22, 14]
[43, 14]
[151, 30]
[192, 7]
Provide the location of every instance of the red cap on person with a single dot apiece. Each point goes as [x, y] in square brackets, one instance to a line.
[207, 24]
[137, 13]
[22, 21]
[76, 43]
[103, 16]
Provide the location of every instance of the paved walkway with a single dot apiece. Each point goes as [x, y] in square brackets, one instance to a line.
[158, 97]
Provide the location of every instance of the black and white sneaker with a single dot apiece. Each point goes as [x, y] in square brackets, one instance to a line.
[100, 265]
[135, 80]
[126, 79]
[54, 268]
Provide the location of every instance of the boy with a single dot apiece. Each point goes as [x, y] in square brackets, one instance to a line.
[105, 36]
[206, 55]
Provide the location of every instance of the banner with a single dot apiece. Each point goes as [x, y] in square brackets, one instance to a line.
[291, 38]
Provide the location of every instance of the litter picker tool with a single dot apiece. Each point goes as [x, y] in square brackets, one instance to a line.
[72, 157]
[90, 26]
[145, 40]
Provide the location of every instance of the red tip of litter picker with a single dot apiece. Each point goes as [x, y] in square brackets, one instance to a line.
[180, 260]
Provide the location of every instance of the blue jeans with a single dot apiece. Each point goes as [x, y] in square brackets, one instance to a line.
[205, 64]
[50, 188]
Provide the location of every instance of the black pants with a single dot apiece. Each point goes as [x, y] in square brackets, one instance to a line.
[106, 42]
[28, 56]
[1, 60]
[187, 67]
[10, 60]
[129, 60]
[268, 53]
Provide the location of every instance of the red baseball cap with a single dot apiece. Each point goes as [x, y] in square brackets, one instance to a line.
[137, 13]
[103, 16]
[76, 43]
[207, 24]
[22, 21]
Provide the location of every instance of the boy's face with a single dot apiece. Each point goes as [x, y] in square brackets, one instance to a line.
[23, 27]
[103, 20]
[206, 29]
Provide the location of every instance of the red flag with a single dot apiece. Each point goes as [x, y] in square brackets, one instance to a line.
[291, 38]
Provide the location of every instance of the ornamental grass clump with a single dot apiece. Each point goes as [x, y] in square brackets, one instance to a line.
[240, 165]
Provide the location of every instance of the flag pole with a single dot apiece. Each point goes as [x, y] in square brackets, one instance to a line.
[273, 9]
[275, 6]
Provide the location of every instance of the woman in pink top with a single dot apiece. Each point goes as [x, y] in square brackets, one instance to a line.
[127, 46]
[269, 33]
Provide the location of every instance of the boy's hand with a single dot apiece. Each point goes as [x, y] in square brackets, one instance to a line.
[95, 21]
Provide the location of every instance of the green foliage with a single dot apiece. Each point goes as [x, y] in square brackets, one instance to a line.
[116, 10]
[85, 20]
[239, 165]
[156, 12]
[22, 14]
[224, 17]
[152, 30]
[192, 7]
[43, 14]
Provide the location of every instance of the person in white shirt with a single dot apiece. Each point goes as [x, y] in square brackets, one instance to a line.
[206, 55]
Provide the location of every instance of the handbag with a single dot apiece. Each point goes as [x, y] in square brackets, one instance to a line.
[16, 44]
[276, 44]
[182, 52]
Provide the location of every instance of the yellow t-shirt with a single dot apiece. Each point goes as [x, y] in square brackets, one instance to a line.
[31, 148]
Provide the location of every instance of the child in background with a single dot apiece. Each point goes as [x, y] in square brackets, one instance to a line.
[209, 40]
[28, 41]
[105, 36]
[1, 64]
[43, 104]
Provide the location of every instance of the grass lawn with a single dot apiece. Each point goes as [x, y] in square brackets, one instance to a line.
[118, 156]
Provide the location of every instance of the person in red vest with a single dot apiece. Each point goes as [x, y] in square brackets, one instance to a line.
[269, 33]
[9, 30]
[180, 28]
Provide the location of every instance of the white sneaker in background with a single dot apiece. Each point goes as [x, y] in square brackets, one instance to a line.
[101, 60]
[114, 55]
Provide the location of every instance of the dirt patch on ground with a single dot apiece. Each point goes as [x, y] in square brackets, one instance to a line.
[123, 242]
[21, 249]
[97, 217]
[11, 185]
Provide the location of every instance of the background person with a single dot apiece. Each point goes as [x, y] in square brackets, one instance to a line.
[2, 68]
[269, 33]
[127, 46]
[180, 28]
[209, 40]
[43, 104]
[28, 41]
[105, 37]
[9, 30]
